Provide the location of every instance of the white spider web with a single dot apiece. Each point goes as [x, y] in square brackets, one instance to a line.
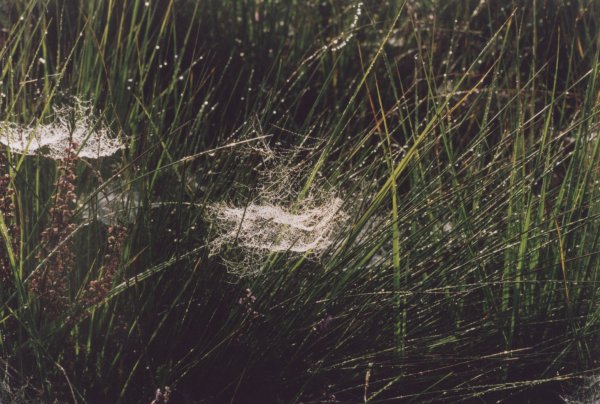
[70, 124]
[276, 221]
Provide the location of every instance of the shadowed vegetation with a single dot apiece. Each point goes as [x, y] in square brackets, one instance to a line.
[457, 142]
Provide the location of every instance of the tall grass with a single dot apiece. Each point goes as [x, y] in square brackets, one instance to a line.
[462, 137]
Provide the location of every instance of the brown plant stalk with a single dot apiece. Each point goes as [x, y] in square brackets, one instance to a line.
[51, 283]
[98, 289]
[8, 211]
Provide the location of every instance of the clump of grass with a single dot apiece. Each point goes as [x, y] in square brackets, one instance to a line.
[460, 142]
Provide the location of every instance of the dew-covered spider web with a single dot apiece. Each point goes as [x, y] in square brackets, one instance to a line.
[76, 123]
[276, 220]
[589, 392]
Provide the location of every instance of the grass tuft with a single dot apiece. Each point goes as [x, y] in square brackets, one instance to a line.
[311, 201]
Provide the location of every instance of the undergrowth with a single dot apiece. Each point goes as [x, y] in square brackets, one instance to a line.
[315, 201]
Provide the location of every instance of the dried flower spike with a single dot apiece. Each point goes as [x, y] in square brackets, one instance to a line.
[98, 289]
[51, 283]
[8, 212]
